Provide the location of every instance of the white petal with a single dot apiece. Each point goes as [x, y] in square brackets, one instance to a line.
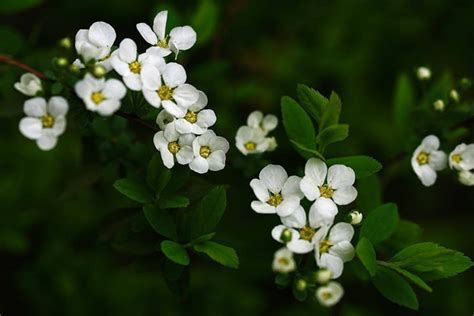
[216, 160]
[185, 95]
[288, 206]
[292, 187]
[260, 190]
[175, 75]
[297, 219]
[206, 118]
[269, 123]
[159, 24]
[438, 160]
[128, 50]
[120, 66]
[277, 231]
[333, 264]
[316, 219]
[427, 175]
[133, 82]
[325, 207]
[59, 126]
[151, 77]
[183, 126]
[152, 98]
[171, 135]
[467, 158]
[83, 89]
[147, 33]
[274, 177]
[35, 107]
[102, 34]
[262, 207]
[340, 176]
[108, 107]
[219, 143]
[200, 103]
[163, 117]
[47, 141]
[300, 246]
[31, 127]
[199, 165]
[182, 37]
[114, 89]
[341, 232]
[185, 155]
[167, 157]
[254, 119]
[344, 195]
[309, 188]
[57, 106]
[343, 250]
[430, 143]
[159, 140]
[316, 169]
[173, 109]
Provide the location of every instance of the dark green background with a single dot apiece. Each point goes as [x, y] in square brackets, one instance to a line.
[58, 209]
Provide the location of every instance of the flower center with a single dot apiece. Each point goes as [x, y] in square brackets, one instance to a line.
[205, 151]
[423, 158]
[326, 296]
[173, 147]
[250, 146]
[135, 67]
[97, 97]
[307, 233]
[47, 120]
[456, 158]
[165, 92]
[275, 199]
[284, 261]
[326, 191]
[162, 43]
[191, 117]
[324, 246]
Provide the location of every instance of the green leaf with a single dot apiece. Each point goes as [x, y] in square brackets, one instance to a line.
[204, 21]
[162, 182]
[331, 112]
[369, 194]
[307, 153]
[56, 88]
[413, 278]
[332, 134]
[14, 6]
[154, 170]
[161, 221]
[133, 190]
[366, 253]
[175, 252]
[219, 253]
[431, 261]
[406, 234]
[395, 288]
[298, 125]
[282, 280]
[208, 212]
[202, 238]
[173, 201]
[312, 101]
[364, 166]
[403, 104]
[381, 223]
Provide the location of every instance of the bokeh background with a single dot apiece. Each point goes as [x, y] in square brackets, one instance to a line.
[59, 214]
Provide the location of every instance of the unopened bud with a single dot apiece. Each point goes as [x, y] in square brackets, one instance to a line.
[272, 144]
[465, 83]
[74, 69]
[62, 62]
[355, 217]
[286, 235]
[65, 43]
[301, 285]
[438, 105]
[323, 276]
[423, 73]
[454, 95]
[99, 71]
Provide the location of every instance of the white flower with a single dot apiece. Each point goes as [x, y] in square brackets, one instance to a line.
[462, 157]
[209, 152]
[251, 140]
[180, 38]
[355, 217]
[276, 192]
[29, 84]
[95, 42]
[173, 145]
[196, 120]
[266, 124]
[427, 159]
[423, 73]
[44, 121]
[323, 276]
[439, 105]
[172, 92]
[130, 65]
[332, 251]
[466, 177]
[283, 261]
[164, 118]
[303, 230]
[330, 294]
[100, 95]
[338, 189]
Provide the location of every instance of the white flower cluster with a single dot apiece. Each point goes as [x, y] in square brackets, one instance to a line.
[315, 232]
[428, 159]
[252, 138]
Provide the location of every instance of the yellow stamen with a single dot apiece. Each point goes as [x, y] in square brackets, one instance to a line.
[162, 43]
[456, 158]
[275, 199]
[326, 295]
[165, 92]
[205, 151]
[423, 158]
[191, 117]
[284, 261]
[250, 146]
[324, 246]
[173, 147]
[326, 191]
[307, 233]
[135, 67]
[47, 120]
[97, 97]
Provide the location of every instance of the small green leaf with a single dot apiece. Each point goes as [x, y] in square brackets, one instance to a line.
[298, 125]
[175, 252]
[202, 238]
[364, 166]
[381, 223]
[154, 169]
[431, 261]
[173, 201]
[219, 253]
[161, 221]
[395, 288]
[312, 101]
[308, 153]
[331, 112]
[366, 253]
[413, 278]
[208, 212]
[134, 190]
[406, 234]
[332, 134]
[162, 182]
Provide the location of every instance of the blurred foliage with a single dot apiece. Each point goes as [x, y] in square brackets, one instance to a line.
[59, 213]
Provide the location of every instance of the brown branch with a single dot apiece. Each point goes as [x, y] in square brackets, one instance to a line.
[129, 116]
[8, 60]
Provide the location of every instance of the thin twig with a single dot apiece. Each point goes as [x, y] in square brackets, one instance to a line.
[133, 117]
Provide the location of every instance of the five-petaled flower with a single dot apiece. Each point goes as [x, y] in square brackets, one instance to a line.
[173, 145]
[209, 152]
[276, 192]
[427, 159]
[462, 157]
[44, 121]
[330, 294]
[251, 140]
[283, 261]
[196, 119]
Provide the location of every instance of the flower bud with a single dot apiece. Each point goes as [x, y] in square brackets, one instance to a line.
[438, 105]
[301, 285]
[454, 95]
[74, 69]
[465, 83]
[62, 62]
[29, 84]
[423, 73]
[355, 217]
[286, 235]
[283, 261]
[99, 71]
[65, 43]
[323, 276]
[272, 144]
[466, 177]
